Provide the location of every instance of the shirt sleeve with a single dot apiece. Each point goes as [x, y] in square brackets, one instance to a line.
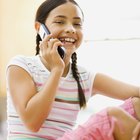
[91, 81]
[19, 60]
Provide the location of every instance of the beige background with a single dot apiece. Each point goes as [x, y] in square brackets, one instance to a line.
[17, 33]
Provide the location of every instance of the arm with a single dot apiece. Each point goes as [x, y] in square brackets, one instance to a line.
[110, 87]
[32, 106]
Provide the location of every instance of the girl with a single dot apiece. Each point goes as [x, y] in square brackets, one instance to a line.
[46, 92]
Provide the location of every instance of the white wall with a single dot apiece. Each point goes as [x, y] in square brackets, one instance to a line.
[117, 58]
[111, 45]
[111, 18]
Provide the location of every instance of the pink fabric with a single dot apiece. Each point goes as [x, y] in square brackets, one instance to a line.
[128, 107]
[99, 126]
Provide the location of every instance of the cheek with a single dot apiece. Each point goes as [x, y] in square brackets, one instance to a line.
[55, 31]
[80, 35]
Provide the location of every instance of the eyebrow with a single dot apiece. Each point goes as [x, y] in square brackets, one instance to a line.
[61, 16]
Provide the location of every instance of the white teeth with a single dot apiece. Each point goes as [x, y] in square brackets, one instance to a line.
[68, 39]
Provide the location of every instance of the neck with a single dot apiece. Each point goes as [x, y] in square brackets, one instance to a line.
[67, 65]
[66, 70]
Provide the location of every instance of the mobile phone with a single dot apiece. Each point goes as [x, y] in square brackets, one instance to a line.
[45, 31]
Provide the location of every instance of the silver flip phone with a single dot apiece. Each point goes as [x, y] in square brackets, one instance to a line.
[43, 31]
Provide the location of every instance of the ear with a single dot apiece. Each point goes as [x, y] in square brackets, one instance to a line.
[37, 26]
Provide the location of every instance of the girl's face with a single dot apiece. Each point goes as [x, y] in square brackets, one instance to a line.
[65, 23]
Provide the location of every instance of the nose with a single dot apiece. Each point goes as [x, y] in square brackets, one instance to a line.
[70, 29]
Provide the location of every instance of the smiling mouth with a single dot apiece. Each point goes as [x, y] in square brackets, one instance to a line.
[67, 40]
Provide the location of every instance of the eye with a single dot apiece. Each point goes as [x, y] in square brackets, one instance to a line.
[59, 22]
[78, 24]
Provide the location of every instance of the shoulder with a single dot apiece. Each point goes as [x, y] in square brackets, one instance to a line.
[21, 59]
[85, 73]
[82, 69]
[25, 62]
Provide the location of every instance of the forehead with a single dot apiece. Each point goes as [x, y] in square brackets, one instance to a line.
[68, 10]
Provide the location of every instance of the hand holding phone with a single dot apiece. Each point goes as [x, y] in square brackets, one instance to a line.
[43, 31]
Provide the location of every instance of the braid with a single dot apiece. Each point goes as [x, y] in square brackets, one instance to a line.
[37, 44]
[82, 100]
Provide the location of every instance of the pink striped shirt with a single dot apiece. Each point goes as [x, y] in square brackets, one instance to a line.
[63, 115]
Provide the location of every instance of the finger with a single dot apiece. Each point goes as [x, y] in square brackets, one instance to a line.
[134, 138]
[42, 45]
[47, 37]
[137, 129]
[45, 41]
[54, 42]
[136, 133]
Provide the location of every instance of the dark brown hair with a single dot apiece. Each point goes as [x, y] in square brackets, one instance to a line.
[41, 15]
